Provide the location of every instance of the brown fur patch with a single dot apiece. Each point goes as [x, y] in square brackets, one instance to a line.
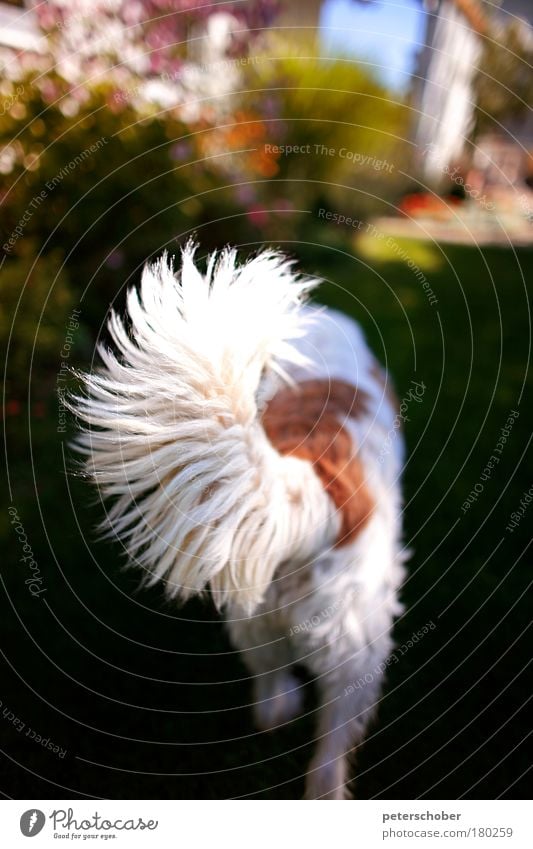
[306, 422]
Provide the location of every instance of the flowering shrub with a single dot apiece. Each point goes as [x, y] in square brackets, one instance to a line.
[127, 43]
[103, 152]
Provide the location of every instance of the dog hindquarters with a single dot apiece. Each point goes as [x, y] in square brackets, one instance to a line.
[348, 700]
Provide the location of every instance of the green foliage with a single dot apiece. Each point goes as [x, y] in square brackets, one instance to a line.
[350, 130]
[92, 196]
[111, 179]
[35, 301]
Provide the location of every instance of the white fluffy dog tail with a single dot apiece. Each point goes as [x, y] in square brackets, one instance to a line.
[200, 497]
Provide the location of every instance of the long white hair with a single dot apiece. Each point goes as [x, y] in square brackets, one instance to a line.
[199, 497]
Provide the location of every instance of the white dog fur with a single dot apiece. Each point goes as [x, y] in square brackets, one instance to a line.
[195, 434]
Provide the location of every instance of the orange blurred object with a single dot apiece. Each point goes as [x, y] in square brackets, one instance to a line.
[424, 204]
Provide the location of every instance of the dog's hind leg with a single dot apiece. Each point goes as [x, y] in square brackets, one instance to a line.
[344, 714]
[277, 692]
[277, 698]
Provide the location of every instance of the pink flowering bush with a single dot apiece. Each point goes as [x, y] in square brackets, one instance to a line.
[128, 43]
[103, 120]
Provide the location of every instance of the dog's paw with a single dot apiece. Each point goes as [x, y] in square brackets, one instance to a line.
[277, 700]
[327, 780]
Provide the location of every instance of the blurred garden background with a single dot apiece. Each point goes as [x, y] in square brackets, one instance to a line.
[387, 146]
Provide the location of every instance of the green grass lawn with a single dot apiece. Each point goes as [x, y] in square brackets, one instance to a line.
[149, 701]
